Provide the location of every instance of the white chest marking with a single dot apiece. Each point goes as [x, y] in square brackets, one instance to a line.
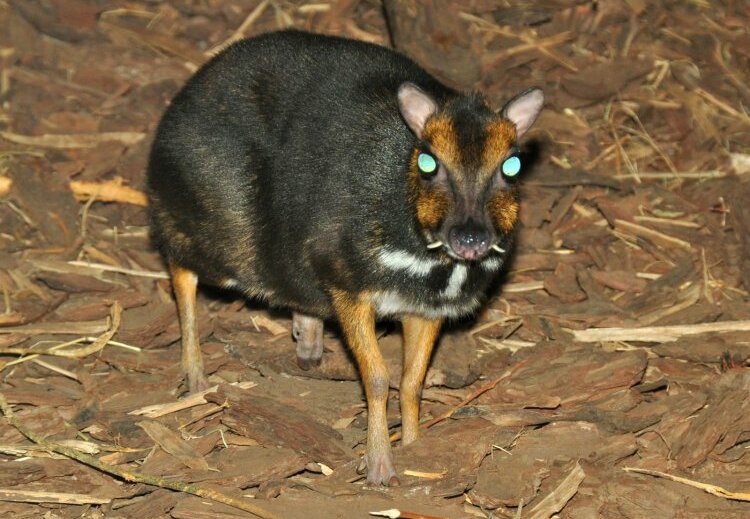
[493, 263]
[456, 281]
[391, 303]
[406, 261]
[230, 283]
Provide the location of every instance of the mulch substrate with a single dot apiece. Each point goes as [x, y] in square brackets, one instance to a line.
[607, 378]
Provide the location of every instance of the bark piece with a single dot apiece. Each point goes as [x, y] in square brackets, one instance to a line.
[271, 422]
[602, 80]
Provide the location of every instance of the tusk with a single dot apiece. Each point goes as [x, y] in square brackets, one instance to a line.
[497, 247]
[434, 245]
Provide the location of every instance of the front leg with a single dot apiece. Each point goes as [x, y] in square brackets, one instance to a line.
[356, 316]
[420, 335]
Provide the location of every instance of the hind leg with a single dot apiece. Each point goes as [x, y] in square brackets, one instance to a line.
[185, 284]
[308, 332]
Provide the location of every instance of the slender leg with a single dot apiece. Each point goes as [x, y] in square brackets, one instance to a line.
[357, 319]
[185, 283]
[420, 335]
[308, 332]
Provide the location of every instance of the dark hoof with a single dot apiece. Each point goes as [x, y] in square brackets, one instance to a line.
[197, 383]
[306, 364]
[380, 471]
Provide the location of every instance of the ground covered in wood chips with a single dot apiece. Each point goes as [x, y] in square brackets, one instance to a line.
[608, 377]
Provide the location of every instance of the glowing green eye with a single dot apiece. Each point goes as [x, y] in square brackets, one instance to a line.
[511, 166]
[427, 163]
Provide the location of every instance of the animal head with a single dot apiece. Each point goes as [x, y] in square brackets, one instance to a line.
[463, 167]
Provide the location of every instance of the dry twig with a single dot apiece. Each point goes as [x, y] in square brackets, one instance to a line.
[530, 42]
[102, 267]
[62, 350]
[242, 30]
[130, 476]
[707, 487]
[659, 238]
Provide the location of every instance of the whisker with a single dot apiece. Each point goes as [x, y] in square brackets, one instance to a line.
[434, 245]
[497, 247]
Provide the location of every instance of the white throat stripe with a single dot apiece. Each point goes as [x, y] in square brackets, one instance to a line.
[406, 261]
[456, 281]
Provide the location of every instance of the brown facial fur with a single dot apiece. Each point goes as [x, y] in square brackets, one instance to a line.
[441, 134]
[503, 209]
[503, 206]
[501, 134]
[432, 202]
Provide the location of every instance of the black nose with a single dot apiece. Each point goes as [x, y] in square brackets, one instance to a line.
[469, 240]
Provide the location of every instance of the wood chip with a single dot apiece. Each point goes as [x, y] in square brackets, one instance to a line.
[5, 185]
[656, 237]
[395, 513]
[83, 140]
[425, 475]
[619, 280]
[740, 162]
[109, 191]
[271, 423]
[602, 80]
[31, 496]
[172, 443]
[556, 500]
[274, 327]
[157, 410]
[166, 42]
[657, 333]
[524, 286]
[52, 328]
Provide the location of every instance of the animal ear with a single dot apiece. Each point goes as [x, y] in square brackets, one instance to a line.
[416, 106]
[523, 109]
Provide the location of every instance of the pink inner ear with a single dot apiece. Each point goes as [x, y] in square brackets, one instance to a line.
[524, 109]
[416, 106]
